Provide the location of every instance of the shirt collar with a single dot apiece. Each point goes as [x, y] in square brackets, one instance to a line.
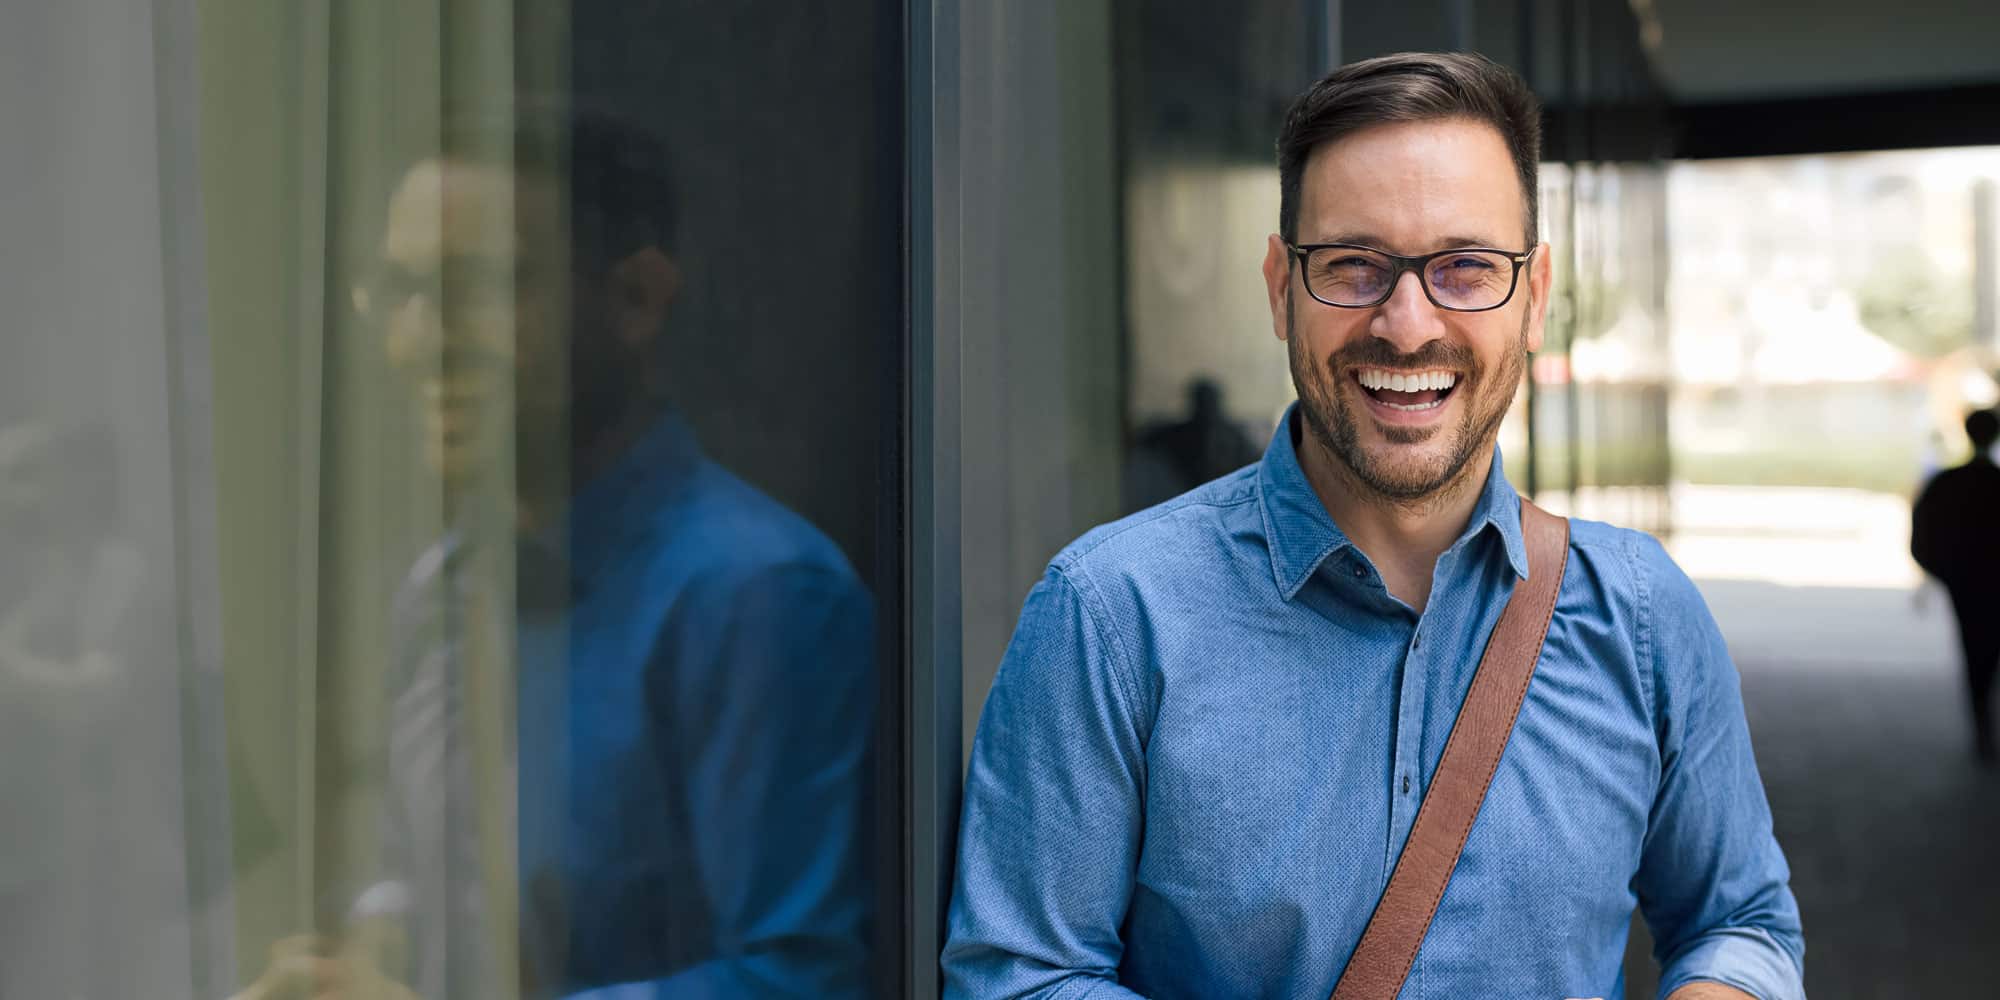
[1301, 535]
[605, 516]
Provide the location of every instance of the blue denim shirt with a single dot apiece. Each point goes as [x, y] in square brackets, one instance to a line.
[1211, 732]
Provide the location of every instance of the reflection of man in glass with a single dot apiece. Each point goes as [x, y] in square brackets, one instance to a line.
[693, 687]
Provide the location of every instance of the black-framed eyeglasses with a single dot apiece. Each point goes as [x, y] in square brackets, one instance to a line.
[465, 285]
[1462, 279]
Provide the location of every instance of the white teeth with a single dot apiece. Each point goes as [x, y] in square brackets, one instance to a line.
[1376, 378]
[1412, 407]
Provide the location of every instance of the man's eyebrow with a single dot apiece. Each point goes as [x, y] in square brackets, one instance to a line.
[1357, 238]
[1445, 243]
[1460, 242]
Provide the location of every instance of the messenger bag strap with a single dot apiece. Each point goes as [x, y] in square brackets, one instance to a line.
[1389, 944]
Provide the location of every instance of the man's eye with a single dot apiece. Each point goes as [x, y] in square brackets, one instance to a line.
[1468, 264]
[1353, 264]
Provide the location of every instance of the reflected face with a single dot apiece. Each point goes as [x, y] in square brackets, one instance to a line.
[473, 300]
[1407, 395]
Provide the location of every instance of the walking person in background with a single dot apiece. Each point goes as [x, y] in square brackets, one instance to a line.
[1955, 536]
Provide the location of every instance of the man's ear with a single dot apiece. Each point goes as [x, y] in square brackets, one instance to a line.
[1278, 283]
[643, 288]
[1541, 273]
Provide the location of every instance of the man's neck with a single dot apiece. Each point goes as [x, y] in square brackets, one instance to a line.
[1403, 539]
[587, 459]
[549, 471]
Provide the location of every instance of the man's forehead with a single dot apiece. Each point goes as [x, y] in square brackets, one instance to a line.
[1419, 185]
[445, 208]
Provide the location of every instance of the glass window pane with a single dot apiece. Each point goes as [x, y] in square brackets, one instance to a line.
[450, 501]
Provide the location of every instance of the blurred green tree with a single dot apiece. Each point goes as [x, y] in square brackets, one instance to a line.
[1910, 304]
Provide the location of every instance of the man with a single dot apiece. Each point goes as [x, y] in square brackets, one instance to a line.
[1955, 536]
[1216, 721]
[631, 704]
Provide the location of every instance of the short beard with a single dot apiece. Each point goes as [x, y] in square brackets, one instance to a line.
[1335, 427]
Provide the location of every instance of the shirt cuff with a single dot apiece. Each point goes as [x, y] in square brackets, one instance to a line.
[1744, 957]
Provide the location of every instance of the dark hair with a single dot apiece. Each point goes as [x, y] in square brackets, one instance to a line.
[621, 194]
[1409, 87]
[1983, 427]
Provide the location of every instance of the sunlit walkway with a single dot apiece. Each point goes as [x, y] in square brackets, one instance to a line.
[1853, 699]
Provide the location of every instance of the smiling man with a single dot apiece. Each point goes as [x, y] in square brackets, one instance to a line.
[1218, 718]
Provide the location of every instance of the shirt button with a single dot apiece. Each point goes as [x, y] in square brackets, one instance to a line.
[1406, 784]
[1417, 641]
[1359, 572]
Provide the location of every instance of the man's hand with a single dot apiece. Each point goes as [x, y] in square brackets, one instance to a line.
[1709, 991]
[301, 968]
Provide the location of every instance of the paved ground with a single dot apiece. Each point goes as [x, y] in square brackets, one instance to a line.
[1854, 704]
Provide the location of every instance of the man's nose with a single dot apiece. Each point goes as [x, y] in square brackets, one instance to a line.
[416, 332]
[1409, 320]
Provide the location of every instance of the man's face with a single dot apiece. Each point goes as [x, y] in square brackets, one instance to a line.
[473, 308]
[1408, 188]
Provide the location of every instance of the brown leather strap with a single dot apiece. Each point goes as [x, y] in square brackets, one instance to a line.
[1389, 945]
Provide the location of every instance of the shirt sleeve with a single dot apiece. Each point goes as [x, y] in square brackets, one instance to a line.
[1049, 838]
[1713, 883]
[774, 721]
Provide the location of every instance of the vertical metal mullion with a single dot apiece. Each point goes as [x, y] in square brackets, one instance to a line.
[1576, 106]
[932, 660]
[1323, 19]
[1527, 27]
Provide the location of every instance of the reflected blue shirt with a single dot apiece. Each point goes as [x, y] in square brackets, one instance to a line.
[1214, 725]
[695, 711]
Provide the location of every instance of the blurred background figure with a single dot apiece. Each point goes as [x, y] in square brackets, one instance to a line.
[79, 808]
[1955, 537]
[1168, 459]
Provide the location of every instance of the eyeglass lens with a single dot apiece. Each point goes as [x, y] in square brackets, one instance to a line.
[1470, 279]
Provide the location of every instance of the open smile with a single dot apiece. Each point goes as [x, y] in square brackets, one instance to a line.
[1405, 397]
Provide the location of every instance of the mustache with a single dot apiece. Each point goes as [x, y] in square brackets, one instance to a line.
[1375, 352]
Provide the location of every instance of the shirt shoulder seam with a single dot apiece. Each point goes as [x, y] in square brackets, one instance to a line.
[1642, 631]
[1077, 555]
[1119, 658]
